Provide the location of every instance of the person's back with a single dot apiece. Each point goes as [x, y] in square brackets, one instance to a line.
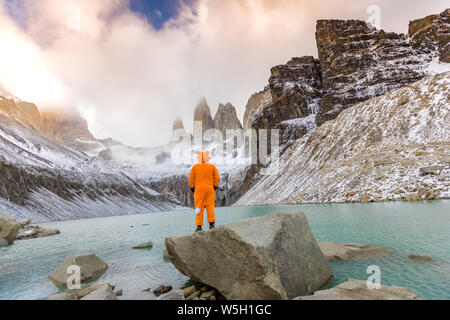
[205, 174]
[203, 181]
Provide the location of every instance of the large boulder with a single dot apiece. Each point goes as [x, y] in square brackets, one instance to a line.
[271, 257]
[91, 267]
[358, 290]
[9, 228]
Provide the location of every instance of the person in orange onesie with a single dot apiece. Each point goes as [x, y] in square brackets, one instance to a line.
[204, 181]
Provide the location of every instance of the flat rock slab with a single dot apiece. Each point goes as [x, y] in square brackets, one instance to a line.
[351, 251]
[91, 267]
[104, 292]
[144, 245]
[77, 294]
[32, 232]
[358, 290]
[271, 257]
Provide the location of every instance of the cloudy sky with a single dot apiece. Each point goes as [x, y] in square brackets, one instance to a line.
[131, 66]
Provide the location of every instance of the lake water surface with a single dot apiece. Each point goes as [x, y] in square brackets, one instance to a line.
[407, 227]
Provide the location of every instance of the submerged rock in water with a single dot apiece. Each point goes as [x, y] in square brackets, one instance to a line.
[420, 257]
[91, 267]
[3, 243]
[9, 228]
[358, 290]
[351, 251]
[271, 257]
[144, 245]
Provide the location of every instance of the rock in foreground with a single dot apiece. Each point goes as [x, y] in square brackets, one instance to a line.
[358, 290]
[173, 295]
[91, 267]
[270, 257]
[105, 292]
[351, 251]
[99, 291]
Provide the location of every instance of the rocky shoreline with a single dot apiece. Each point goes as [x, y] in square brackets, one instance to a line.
[12, 230]
[283, 262]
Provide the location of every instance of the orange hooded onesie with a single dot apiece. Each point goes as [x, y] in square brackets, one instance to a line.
[204, 177]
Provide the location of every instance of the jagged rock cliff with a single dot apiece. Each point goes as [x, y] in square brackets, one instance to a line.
[356, 62]
[62, 126]
[296, 89]
[359, 62]
[70, 129]
[254, 105]
[226, 118]
[432, 35]
[392, 147]
[203, 114]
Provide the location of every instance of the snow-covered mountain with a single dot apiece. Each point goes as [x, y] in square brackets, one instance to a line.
[46, 180]
[392, 147]
[356, 62]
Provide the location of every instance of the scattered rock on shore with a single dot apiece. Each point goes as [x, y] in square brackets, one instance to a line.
[144, 245]
[420, 257]
[91, 267]
[31, 232]
[98, 291]
[177, 294]
[162, 289]
[9, 228]
[104, 292]
[351, 251]
[189, 291]
[358, 290]
[240, 260]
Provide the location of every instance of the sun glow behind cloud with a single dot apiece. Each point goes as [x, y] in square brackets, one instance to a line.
[22, 70]
[131, 80]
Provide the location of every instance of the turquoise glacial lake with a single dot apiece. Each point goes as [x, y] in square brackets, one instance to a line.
[407, 227]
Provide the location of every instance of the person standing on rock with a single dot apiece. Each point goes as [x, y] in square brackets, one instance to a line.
[204, 181]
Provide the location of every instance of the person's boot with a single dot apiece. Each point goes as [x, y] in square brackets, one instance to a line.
[211, 225]
[199, 228]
